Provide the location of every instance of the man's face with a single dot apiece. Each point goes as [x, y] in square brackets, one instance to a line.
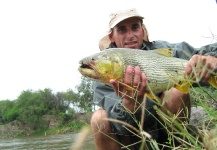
[128, 34]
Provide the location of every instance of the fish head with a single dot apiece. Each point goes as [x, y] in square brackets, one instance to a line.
[102, 66]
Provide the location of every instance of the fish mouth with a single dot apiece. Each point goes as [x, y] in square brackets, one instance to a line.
[82, 65]
[88, 71]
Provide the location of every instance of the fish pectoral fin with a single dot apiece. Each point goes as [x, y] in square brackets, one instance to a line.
[213, 81]
[150, 95]
[183, 87]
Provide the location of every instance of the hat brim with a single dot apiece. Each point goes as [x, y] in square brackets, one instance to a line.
[104, 42]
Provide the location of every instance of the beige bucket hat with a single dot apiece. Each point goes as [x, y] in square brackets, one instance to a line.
[116, 18]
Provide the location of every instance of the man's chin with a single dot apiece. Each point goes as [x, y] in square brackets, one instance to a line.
[131, 46]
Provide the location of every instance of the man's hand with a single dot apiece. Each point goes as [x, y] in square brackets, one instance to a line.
[200, 66]
[132, 89]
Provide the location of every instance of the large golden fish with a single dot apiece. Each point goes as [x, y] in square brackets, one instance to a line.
[162, 70]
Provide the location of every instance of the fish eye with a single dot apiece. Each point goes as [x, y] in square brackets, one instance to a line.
[105, 56]
[115, 60]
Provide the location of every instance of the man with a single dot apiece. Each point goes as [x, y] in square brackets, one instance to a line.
[126, 30]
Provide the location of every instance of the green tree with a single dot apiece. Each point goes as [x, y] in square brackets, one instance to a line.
[85, 94]
[31, 107]
[50, 101]
[7, 112]
[55, 103]
[71, 96]
[62, 102]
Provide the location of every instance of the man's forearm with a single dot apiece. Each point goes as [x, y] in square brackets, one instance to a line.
[176, 101]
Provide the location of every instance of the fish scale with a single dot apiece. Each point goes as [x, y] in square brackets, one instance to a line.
[162, 72]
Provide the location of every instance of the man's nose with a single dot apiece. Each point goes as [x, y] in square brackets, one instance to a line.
[129, 33]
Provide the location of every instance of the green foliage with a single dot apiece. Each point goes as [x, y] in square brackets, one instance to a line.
[11, 115]
[207, 98]
[7, 112]
[85, 94]
[205, 93]
[71, 96]
[71, 113]
[31, 105]
[76, 125]
[64, 118]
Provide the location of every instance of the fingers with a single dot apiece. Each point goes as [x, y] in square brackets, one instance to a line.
[191, 63]
[133, 76]
[137, 76]
[205, 75]
[143, 84]
[115, 86]
[199, 67]
[139, 82]
[134, 82]
[128, 75]
[136, 79]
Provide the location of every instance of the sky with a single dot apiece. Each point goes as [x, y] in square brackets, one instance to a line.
[42, 41]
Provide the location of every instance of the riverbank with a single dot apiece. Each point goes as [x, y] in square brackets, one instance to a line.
[52, 125]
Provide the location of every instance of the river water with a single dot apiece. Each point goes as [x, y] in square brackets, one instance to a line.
[51, 142]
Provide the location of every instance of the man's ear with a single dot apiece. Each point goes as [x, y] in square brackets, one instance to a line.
[111, 37]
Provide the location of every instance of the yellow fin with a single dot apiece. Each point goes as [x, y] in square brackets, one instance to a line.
[164, 51]
[150, 95]
[184, 87]
[213, 81]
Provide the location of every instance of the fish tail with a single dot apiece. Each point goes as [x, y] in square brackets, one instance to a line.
[213, 81]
